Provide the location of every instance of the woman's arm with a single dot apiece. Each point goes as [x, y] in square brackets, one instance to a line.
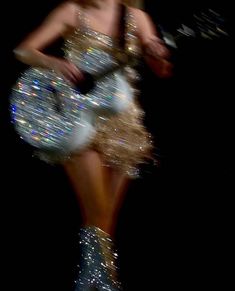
[57, 24]
[156, 54]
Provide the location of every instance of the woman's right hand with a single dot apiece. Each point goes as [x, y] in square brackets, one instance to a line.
[67, 69]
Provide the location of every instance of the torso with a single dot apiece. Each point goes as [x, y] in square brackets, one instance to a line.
[87, 41]
[94, 51]
[105, 22]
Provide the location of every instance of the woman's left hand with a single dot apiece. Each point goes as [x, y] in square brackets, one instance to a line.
[155, 48]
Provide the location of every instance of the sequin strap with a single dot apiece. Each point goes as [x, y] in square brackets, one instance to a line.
[82, 21]
[131, 23]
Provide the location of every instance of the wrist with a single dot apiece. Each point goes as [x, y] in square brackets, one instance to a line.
[49, 62]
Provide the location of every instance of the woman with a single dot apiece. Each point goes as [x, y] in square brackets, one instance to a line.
[99, 172]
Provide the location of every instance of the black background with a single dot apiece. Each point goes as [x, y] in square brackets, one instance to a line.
[175, 225]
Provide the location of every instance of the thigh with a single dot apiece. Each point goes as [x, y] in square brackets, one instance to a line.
[86, 173]
[117, 183]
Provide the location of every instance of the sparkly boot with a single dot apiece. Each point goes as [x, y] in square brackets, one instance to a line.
[98, 269]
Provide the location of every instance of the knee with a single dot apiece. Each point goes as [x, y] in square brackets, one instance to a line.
[100, 217]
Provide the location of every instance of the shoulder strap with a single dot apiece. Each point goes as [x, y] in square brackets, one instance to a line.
[122, 26]
[82, 20]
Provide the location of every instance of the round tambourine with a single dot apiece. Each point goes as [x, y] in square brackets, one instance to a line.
[48, 113]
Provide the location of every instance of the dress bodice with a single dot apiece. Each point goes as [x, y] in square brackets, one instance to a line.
[95, 52]
[92, 50]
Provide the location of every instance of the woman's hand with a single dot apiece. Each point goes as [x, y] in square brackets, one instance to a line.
[157, 55]
[161, 67]
[67, 69]
[155, 52]
[155, 48]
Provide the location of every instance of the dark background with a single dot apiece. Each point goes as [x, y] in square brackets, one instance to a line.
[175, 225]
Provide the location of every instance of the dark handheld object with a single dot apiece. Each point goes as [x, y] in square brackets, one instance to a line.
[86, 84]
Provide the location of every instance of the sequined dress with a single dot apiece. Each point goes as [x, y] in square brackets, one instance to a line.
[121, 139]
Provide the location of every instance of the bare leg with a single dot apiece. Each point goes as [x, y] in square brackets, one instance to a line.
[99, 201]
[117, 184]
[100, 190]
[87, 176]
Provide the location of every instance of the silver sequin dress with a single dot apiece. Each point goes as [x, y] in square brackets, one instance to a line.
[121, 139]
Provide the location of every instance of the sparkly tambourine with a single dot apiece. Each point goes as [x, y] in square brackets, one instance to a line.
[47, 112]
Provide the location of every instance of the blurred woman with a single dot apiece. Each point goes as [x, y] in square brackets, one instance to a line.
[100, 171]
